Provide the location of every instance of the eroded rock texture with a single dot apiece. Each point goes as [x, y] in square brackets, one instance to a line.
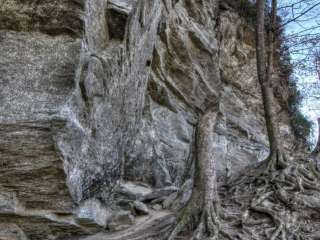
[97, 93]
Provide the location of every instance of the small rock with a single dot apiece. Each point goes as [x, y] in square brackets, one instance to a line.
[159, 200]
[8, 202]
[93, 212]
[134, 190]
[161, 192]
[121, 220]
[157, 207]
[124, 204]
[140, 208]
[11, 232]
[167, 203]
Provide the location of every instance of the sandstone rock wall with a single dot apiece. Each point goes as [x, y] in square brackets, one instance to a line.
[98, 92]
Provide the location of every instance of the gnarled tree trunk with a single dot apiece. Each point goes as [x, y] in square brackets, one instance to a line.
[276, 158]
[204, 203]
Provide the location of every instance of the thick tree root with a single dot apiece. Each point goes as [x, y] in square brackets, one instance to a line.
[277, 200]
[275, 161]
[284, 205]
[209, 224]
[207, 228]
[280, 205]
[205, 217]
[202, 209]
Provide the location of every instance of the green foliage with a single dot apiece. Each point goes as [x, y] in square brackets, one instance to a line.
[302, 127]
[245, 8]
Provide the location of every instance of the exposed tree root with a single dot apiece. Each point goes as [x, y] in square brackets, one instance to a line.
[275, 161]
[205, 217]
[284, 205]
[280, 205]
[277, 200]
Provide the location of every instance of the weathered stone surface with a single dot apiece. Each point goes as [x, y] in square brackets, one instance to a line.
[140, 208]
[37, 226]
[157, 207]
[92, 211]
[153, 226]
[11, 231]
[53, 17]
[133, 191]
[121, 220]
[104, 110]
[100, 99]
[36, 75]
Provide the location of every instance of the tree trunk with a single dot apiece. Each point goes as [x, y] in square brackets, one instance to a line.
[204, 201]
[275, 159]
[316, 150]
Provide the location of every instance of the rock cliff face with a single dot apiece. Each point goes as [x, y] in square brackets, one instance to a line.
[100, 99]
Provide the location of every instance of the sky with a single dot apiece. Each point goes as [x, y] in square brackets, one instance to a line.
[310, 106]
